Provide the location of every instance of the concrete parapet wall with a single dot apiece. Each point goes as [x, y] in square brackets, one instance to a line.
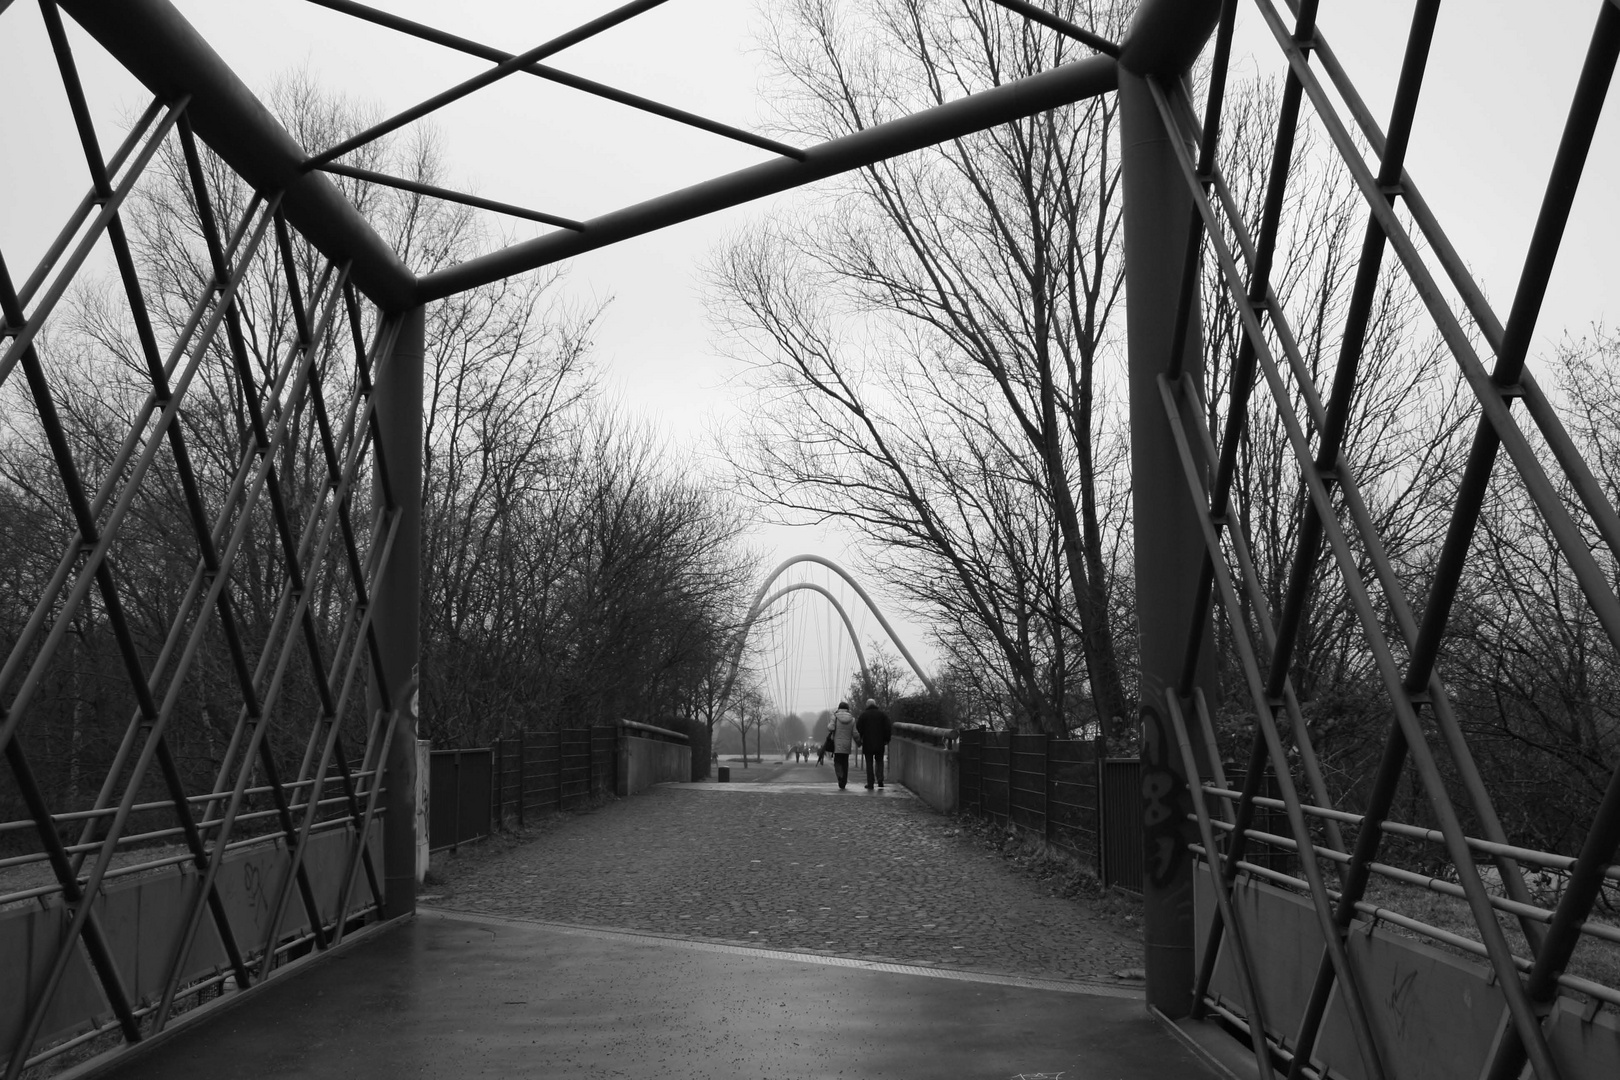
[644, 762]
[1435, 1015]
[149, 911]
[929, 772]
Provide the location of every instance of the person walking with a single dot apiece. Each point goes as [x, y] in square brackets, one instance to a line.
[844, 740]
[874, 730]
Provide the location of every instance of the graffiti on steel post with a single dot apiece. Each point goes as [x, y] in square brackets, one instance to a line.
[1164, 796]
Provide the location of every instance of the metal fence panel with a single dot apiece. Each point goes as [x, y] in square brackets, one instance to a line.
[458, 797]
[1120, 808]
[1038, 785]
[995, 776]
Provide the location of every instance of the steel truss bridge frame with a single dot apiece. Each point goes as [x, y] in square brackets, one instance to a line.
[333, 847]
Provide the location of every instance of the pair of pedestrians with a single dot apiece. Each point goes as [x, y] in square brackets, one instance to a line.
[870, 732]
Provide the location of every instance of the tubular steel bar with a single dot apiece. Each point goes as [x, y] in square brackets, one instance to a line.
[1399, 607]
[589, 86]
[1494, 399]
[1433, 784]
[1241, 386]
[482, 79]
[1596, 74]
[278, 643]
[1206, 163]
[22, 333]
[164, 51]
[1354, 997]
[132, 139]
[1330, 437]
[397, 399]
[1054, 22]
[163, 393]
[1223, 898]
[373, 177]
[1591, 493]
[1064, 85]
[1242, 380]
[1164, 39]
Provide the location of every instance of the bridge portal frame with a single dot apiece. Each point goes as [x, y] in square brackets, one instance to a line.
[1194, 819]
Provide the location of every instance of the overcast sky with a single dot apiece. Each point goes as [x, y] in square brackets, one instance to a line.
[1491, 114]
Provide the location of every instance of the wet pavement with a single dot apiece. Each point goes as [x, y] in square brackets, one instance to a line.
[781, 858]
[461, 996]
[770, 927]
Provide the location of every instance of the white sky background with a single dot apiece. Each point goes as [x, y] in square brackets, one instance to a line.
[1490, 117]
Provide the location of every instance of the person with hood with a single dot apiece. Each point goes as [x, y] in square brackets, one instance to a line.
[874, 729]
[844, 740]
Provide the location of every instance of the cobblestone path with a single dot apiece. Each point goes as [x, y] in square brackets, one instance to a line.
[790, 867]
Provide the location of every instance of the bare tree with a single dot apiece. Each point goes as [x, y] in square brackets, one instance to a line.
[940, 316]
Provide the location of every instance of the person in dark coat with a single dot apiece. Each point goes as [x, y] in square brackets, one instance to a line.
[874, 729]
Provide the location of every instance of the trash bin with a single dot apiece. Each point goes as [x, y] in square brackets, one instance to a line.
[725, 774]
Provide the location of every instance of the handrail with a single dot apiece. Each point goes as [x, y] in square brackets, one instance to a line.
[676, 735]
[938, 735]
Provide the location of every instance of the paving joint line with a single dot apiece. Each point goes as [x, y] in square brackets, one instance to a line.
[647, 937]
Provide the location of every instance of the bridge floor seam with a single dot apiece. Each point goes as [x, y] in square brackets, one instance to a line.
[644, 937]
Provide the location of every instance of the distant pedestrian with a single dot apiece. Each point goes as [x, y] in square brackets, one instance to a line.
[825, 748]
[874, 729]
[844, 740]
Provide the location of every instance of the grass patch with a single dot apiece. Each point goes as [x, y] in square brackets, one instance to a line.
[1061, 872]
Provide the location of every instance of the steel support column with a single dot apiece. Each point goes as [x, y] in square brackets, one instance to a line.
[1167, 548]
[397, 399]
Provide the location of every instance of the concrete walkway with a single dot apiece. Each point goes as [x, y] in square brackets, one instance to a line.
[783, 859]
[591, 969]
[458, 996]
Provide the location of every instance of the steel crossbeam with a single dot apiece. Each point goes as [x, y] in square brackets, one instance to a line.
[501, 70]
[563, 78]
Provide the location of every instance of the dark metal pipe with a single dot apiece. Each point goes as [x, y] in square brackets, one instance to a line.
[1332, 430]
[372, 177]
[1055, 22]
[396, 610]
[1596, 73]
[483, 79]
[1063, 85]
[1206, 166]
[176, 438]
[563, 78]
[165, 52]
[1167, 36]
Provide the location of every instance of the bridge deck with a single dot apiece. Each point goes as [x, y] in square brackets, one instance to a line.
[580, 962]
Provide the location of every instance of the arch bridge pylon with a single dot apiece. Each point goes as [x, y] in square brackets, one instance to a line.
[764, 598]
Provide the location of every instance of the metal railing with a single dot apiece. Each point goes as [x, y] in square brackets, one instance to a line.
[1340, 554]
[550, 770]
[1062, 792]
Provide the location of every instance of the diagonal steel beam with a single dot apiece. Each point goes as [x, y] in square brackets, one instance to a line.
[509, 66]
[167, 54]
[1061, 86]
[1061, 25]
[371, 176]
[563, 78]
